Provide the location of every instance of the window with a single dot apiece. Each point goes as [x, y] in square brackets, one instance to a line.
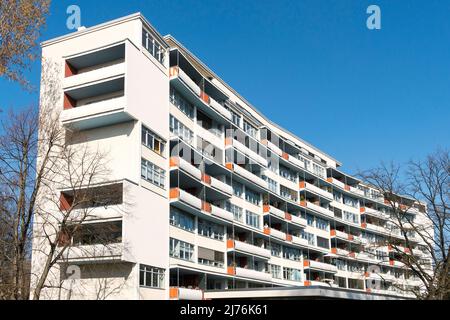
[153, 46]
[180, 249]
[275, 270]
[181, 220]
[210, 257]
[291, 253]
[252, 219]
[180, 130]
[152, 173]
[318, 170]
[322, 224]
[309, 236]
[235, 210]
[288, 173]
[350, 202]
[292, 274]
[235, 118]
[323, 243]
[275, 249]
[178, 101]
[98, 233]
[251, 130]
[310, 220]
[210, 230]
[238, 189]
[288, 193]
[152, 141]
[252, 196]
[337, 196]
[151, 277]
[351, 217]
[340, 265]
[273, 185]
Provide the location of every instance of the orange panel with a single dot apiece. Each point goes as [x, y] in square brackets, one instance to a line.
[205, 97]
[174, 162]
[333, 232]
[173, 293]
[288, 216]
[229, 166]
[303, 203]
[350, 237]
[70, 70]
[302, 184]
[231, 270]
[173, 71]
[266, 231]
[334, 250]
[206, 206]
[174, 193]
[347, 187]
[288, 237]
[364, 225]
[230, 244]
[362, 209]
[330, 180]
[228, 141]
[69, 103]
[285, 156]
[351, 254]
[206, 178]
[391, 262]
[306, 263]
[266, 208]
[307, 283]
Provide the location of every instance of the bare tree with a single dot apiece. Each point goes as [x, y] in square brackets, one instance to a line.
[21, 22]
[418, 200]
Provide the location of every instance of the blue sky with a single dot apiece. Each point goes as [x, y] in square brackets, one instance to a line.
[312, 66]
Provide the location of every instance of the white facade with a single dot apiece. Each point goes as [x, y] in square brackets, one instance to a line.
[217, 196]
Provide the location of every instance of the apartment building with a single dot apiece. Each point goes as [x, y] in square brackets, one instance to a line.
[223, 201]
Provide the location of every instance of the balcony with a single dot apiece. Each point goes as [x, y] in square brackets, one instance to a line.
[298, 221]
[374, 213]
[177, 162]
[176, 72]
[105, 72]
[316, 190]
[96, 252]
[176, 293]
[321, 266]
[373, 227]
[177, 194]
[249, 273]
[248, 248]
[340, 252]
[299, 241]
[247, 175]
[275, 211]
[275, 233]
[221, 213]
[209, 136]
[273, 147]
[336, 182]
[316, 208]
[246, 151]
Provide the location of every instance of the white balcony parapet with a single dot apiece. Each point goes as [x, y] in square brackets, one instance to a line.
[253, 274]
[277, 212]
[186, 166]
[319, 266]
[249, 248]
[179, 194]
[375, 228]
[189, 82]
[222, 186]
[299, 220]
[185, 294]
[336, 182]
[219, 108]
[317, 208]
[93, 109]
[250, 153]
[357, 191]
[96, 74]
[250, 176]
[316, 190]
[339, 234]
[300, 241]
[339, 251]
[96, 251]
[210, 137]
[297, 162]
[274, 148]
[277, 234]
[221, 213]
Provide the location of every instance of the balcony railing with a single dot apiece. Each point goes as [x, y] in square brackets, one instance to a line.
[249, 273]
[95, 74]
[183, 196]
[275, 211]
[319, 266]
[336, 182]
[300, 241]
[176, 293]
[245, 150]
[298, 220]
[248, 175]
[316, 208]
[310, 187]
[339, 251]
[248, 248]
[221, 213]
[186, 166]
[275, 233]
[94, 252]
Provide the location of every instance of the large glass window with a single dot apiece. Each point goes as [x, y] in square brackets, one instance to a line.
[151, 277]
[252, 219]
[180, 130]
[252, 196]
[322, 224]
[180, 249]
[152, 141]
[291, 253]
[323, 243]
[181, 219]
[152, 173]
[181, 103]
[235, 210]
[153, 46]
[292, 274]
[319, 170]
[288, 173]
[275, 270]
[210, 230]
[238, 189]
[251, 130]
